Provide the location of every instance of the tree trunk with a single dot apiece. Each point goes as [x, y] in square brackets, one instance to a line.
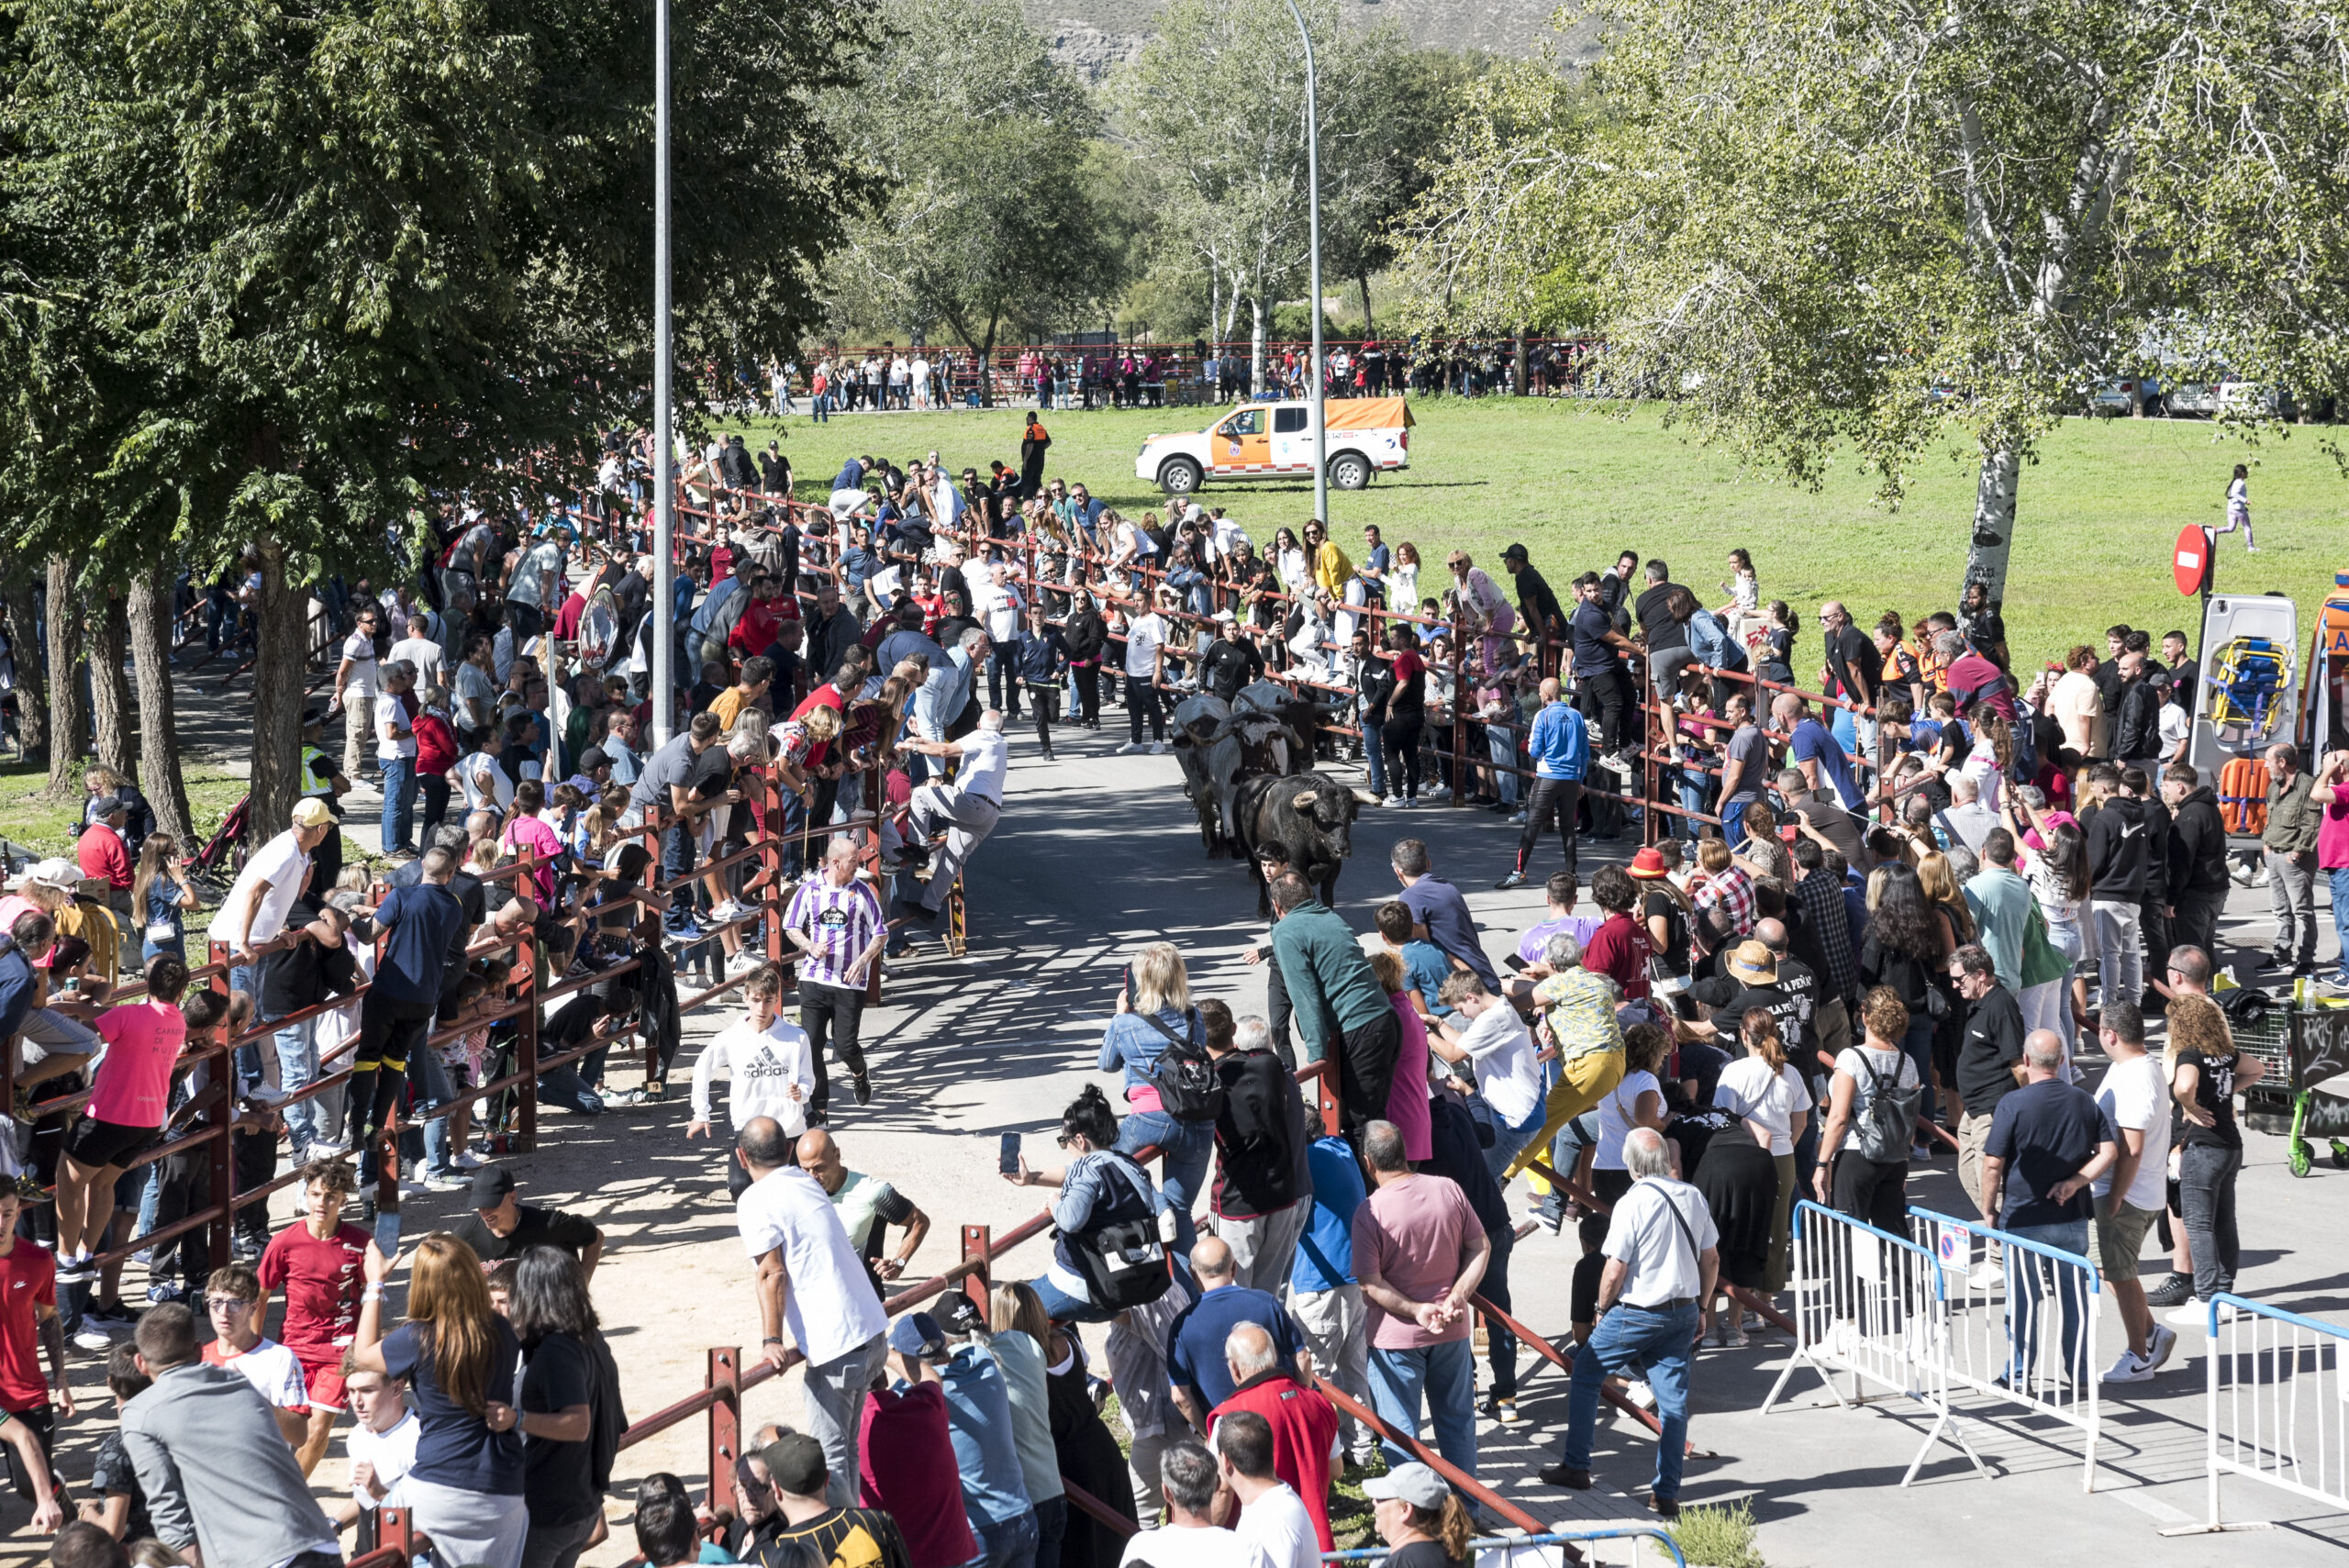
[281, 671]
[1994, 523]
[1256, 346]
[110, 691]
[1519, 386]
[32, 665]
[1368, 332]
[159, 742]
[67, 718]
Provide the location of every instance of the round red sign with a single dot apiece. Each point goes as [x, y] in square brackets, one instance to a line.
[2190, 561]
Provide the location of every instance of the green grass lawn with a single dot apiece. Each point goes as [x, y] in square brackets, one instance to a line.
[2097, 518]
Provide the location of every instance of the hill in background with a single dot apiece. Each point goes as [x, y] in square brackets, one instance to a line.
[1097, 35]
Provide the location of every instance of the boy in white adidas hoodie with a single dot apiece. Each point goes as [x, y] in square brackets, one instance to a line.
[768, 1061]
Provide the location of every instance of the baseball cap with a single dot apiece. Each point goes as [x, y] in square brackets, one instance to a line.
[1414, 1483]
[107, 805]
[491, 1184]
[795, 1465]
[311, 812]
[917, 1334]
[1516, 552]
[591, 759]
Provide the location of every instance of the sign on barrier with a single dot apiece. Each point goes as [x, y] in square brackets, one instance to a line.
[1868, 1304]
[2022, 1320]
[2277, 1408]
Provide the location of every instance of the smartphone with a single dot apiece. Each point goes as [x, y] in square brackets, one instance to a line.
[1007, 1160]
[1130, 984]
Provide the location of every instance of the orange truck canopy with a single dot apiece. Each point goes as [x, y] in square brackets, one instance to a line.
[1367, 413]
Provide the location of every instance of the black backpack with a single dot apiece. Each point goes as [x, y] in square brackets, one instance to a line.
[1886, 1128]
[1189, 1087]
[1123, 1264]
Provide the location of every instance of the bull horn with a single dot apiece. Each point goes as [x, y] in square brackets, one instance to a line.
[1363, 797]
[1304, 802]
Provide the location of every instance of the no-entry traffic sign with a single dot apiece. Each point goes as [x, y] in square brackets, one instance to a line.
[2190, 563]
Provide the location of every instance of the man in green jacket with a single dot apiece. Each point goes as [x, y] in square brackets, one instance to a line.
[1343, 1015]
[2290, 844]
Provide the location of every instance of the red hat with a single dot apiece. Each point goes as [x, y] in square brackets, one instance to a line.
[1648, 862]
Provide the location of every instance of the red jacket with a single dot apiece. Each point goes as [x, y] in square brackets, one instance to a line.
[1305, 1425]
[436, 745]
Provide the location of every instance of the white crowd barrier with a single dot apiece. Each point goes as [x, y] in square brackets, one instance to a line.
[1869, 1304]
[2036, 1347]
[2277, 1408]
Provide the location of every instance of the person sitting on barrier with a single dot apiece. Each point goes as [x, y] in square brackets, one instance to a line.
[964, 811]
[126, 1111]
[1653, 1298]
[2049, 1141]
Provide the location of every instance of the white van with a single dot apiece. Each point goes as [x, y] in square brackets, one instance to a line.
[1273, 440]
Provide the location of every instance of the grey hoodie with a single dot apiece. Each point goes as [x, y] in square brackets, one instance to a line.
[218, 1471]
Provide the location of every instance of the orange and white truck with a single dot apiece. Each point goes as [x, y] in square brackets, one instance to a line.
[1274, 440]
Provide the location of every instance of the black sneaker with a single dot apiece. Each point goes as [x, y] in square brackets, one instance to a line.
[1663, 1507]
[863, 1088]
[1573, 1480]
[2174, 1291]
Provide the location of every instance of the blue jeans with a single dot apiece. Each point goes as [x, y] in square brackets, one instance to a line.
[1500, 745]
[1183, 1148]
[2039, 1275]
[677, 860]
[1062, 1307]
[1508, 1140]
[1005, 1543]
[1447, 1374]
[150, 951]
[1918, 1043]
[297, 1067]
[1373, 752]
[1626, 1340]
[399, 804]
[2340, 921]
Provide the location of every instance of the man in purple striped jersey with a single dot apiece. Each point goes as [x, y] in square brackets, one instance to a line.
[835, 917]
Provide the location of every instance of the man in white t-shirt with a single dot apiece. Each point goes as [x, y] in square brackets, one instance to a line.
[1145, 660]
[1499, 1050]
[264, 892]
[231, 1297]
[811, 1279]
[965, 810]
[1192, 1483]
[483, 777]
[1002, 610]
[1273, 1517]
[383, 1442]
[2131, 1196]
[354, 687]
[766, 1058]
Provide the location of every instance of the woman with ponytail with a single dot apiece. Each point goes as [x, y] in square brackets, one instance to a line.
[1420, 1517]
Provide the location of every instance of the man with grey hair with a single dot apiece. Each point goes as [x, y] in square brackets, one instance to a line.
[1968, 821]
[1655, 1296]
[1193, 1485]
[1263, 1191]
[2288, 844]
[965, 810]
[1819, 815]
[2049, 1142]
[1421, 1252]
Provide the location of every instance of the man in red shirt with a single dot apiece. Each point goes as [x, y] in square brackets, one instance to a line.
[1619, 948]
[1304, 1422]
[1972, 678]
[320, 1262]
[29, 1311]
[905, 1465]
[103, 852]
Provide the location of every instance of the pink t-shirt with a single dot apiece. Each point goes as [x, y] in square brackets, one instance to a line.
[135, 1080]
[531, 834]
[1413, 1235]
[2332, 837]
[1406, 1101]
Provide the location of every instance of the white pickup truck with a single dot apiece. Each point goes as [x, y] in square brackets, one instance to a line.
[1274, 440]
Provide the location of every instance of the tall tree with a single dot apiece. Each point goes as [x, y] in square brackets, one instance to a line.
[1407, 104]
[308, 270]
[1215, 103]
[160, 776]
[69, 712]
[111, 721]
[1874, 227]
[992, 220]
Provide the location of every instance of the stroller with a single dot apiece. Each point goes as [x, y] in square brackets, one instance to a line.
[225, 848]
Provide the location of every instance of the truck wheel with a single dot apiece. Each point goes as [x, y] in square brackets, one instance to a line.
[1350, 470]
[1178, 477]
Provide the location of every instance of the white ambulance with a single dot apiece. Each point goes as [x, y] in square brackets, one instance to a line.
[1274, 440]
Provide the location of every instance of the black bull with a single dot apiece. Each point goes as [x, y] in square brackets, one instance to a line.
[1310, 814]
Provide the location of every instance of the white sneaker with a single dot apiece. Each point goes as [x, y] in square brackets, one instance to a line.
[2157, 1351]
[744, 961]
[1988, 1274]
[1439, 792]
[324, 1149]
[466, 1159]
[1158, 748]
[2130, 1368]
[1641, 1395]
[265, 1095]
[90, 1337]
[1518, 820]
[729, 912]
[2196, 1314]
[1129, 749]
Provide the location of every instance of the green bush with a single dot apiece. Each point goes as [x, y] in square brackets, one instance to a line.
[1719, 1537]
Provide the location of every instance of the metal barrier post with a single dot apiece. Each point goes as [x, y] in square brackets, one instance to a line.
[525, 1044]
[725, 1382]
[2286, 1405]
[978, 1247]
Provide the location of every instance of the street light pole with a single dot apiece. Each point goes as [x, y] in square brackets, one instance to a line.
[664, 598]
[1313, 218]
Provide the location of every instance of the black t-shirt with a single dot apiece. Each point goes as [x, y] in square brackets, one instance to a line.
[702, 694]
[113, 1473]
[1587, 629]
[306, 974]
[2214, 1092]
[557, 1478]
[1729, 1015]
[1655, 619]
[1800, 981]
[1852, 653]
[538, 1227]
[831, 1531]
[1676, 952]
[711, 774]
[1993, 1044]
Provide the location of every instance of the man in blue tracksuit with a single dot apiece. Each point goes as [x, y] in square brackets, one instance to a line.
[1559, 747]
